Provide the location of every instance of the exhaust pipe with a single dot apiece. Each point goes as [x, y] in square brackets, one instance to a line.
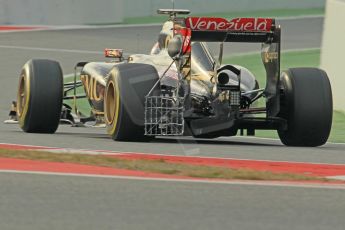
[223, 78]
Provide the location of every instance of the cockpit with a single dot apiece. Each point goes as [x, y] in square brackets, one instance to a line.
[202, 61]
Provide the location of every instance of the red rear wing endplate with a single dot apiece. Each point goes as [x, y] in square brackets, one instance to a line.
[256, 30]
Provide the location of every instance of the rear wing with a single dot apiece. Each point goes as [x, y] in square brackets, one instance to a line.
[256, 30]
[247, 30]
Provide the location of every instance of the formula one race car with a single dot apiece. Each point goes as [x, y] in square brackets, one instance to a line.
[181, 89]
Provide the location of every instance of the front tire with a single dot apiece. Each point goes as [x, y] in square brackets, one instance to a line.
[124, 100]
[39, 97]
[307, 106]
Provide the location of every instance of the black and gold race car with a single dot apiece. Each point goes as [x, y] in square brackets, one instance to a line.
[180, 88]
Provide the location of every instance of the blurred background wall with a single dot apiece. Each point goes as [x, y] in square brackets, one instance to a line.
[74, 12]
[60, 12]
[135, 8]
[333, 48]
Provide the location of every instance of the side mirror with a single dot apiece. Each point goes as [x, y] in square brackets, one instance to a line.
[175, 47]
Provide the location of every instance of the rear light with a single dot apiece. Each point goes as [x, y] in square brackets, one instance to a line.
[113, 53]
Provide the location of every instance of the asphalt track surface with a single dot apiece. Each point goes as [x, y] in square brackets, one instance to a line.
[38, 202]
[68, 202]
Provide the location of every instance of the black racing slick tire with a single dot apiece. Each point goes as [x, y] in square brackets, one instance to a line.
[39, 97]
[124, 100]
[307, 105]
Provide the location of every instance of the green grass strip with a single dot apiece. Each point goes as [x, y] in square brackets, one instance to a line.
[82, 104]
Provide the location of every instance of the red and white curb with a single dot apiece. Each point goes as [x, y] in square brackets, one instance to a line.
[335, 171]
[16, 28]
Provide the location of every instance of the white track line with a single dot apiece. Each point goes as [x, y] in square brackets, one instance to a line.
[68, 150]
[283, 51]
[340, 177]
[247, 183]
[34, 146]
[272, 139]
[287, 18]
[24, 30]
[78, 27]
[50, 49]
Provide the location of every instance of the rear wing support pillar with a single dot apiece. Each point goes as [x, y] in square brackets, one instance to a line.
[270, 54]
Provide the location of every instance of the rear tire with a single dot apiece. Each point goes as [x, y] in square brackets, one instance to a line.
[124, 101]
[39, 98]
[307, 106]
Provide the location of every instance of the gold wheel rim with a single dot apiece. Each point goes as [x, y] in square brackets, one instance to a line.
[22, 97]
[112, 106]
[110, 103]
